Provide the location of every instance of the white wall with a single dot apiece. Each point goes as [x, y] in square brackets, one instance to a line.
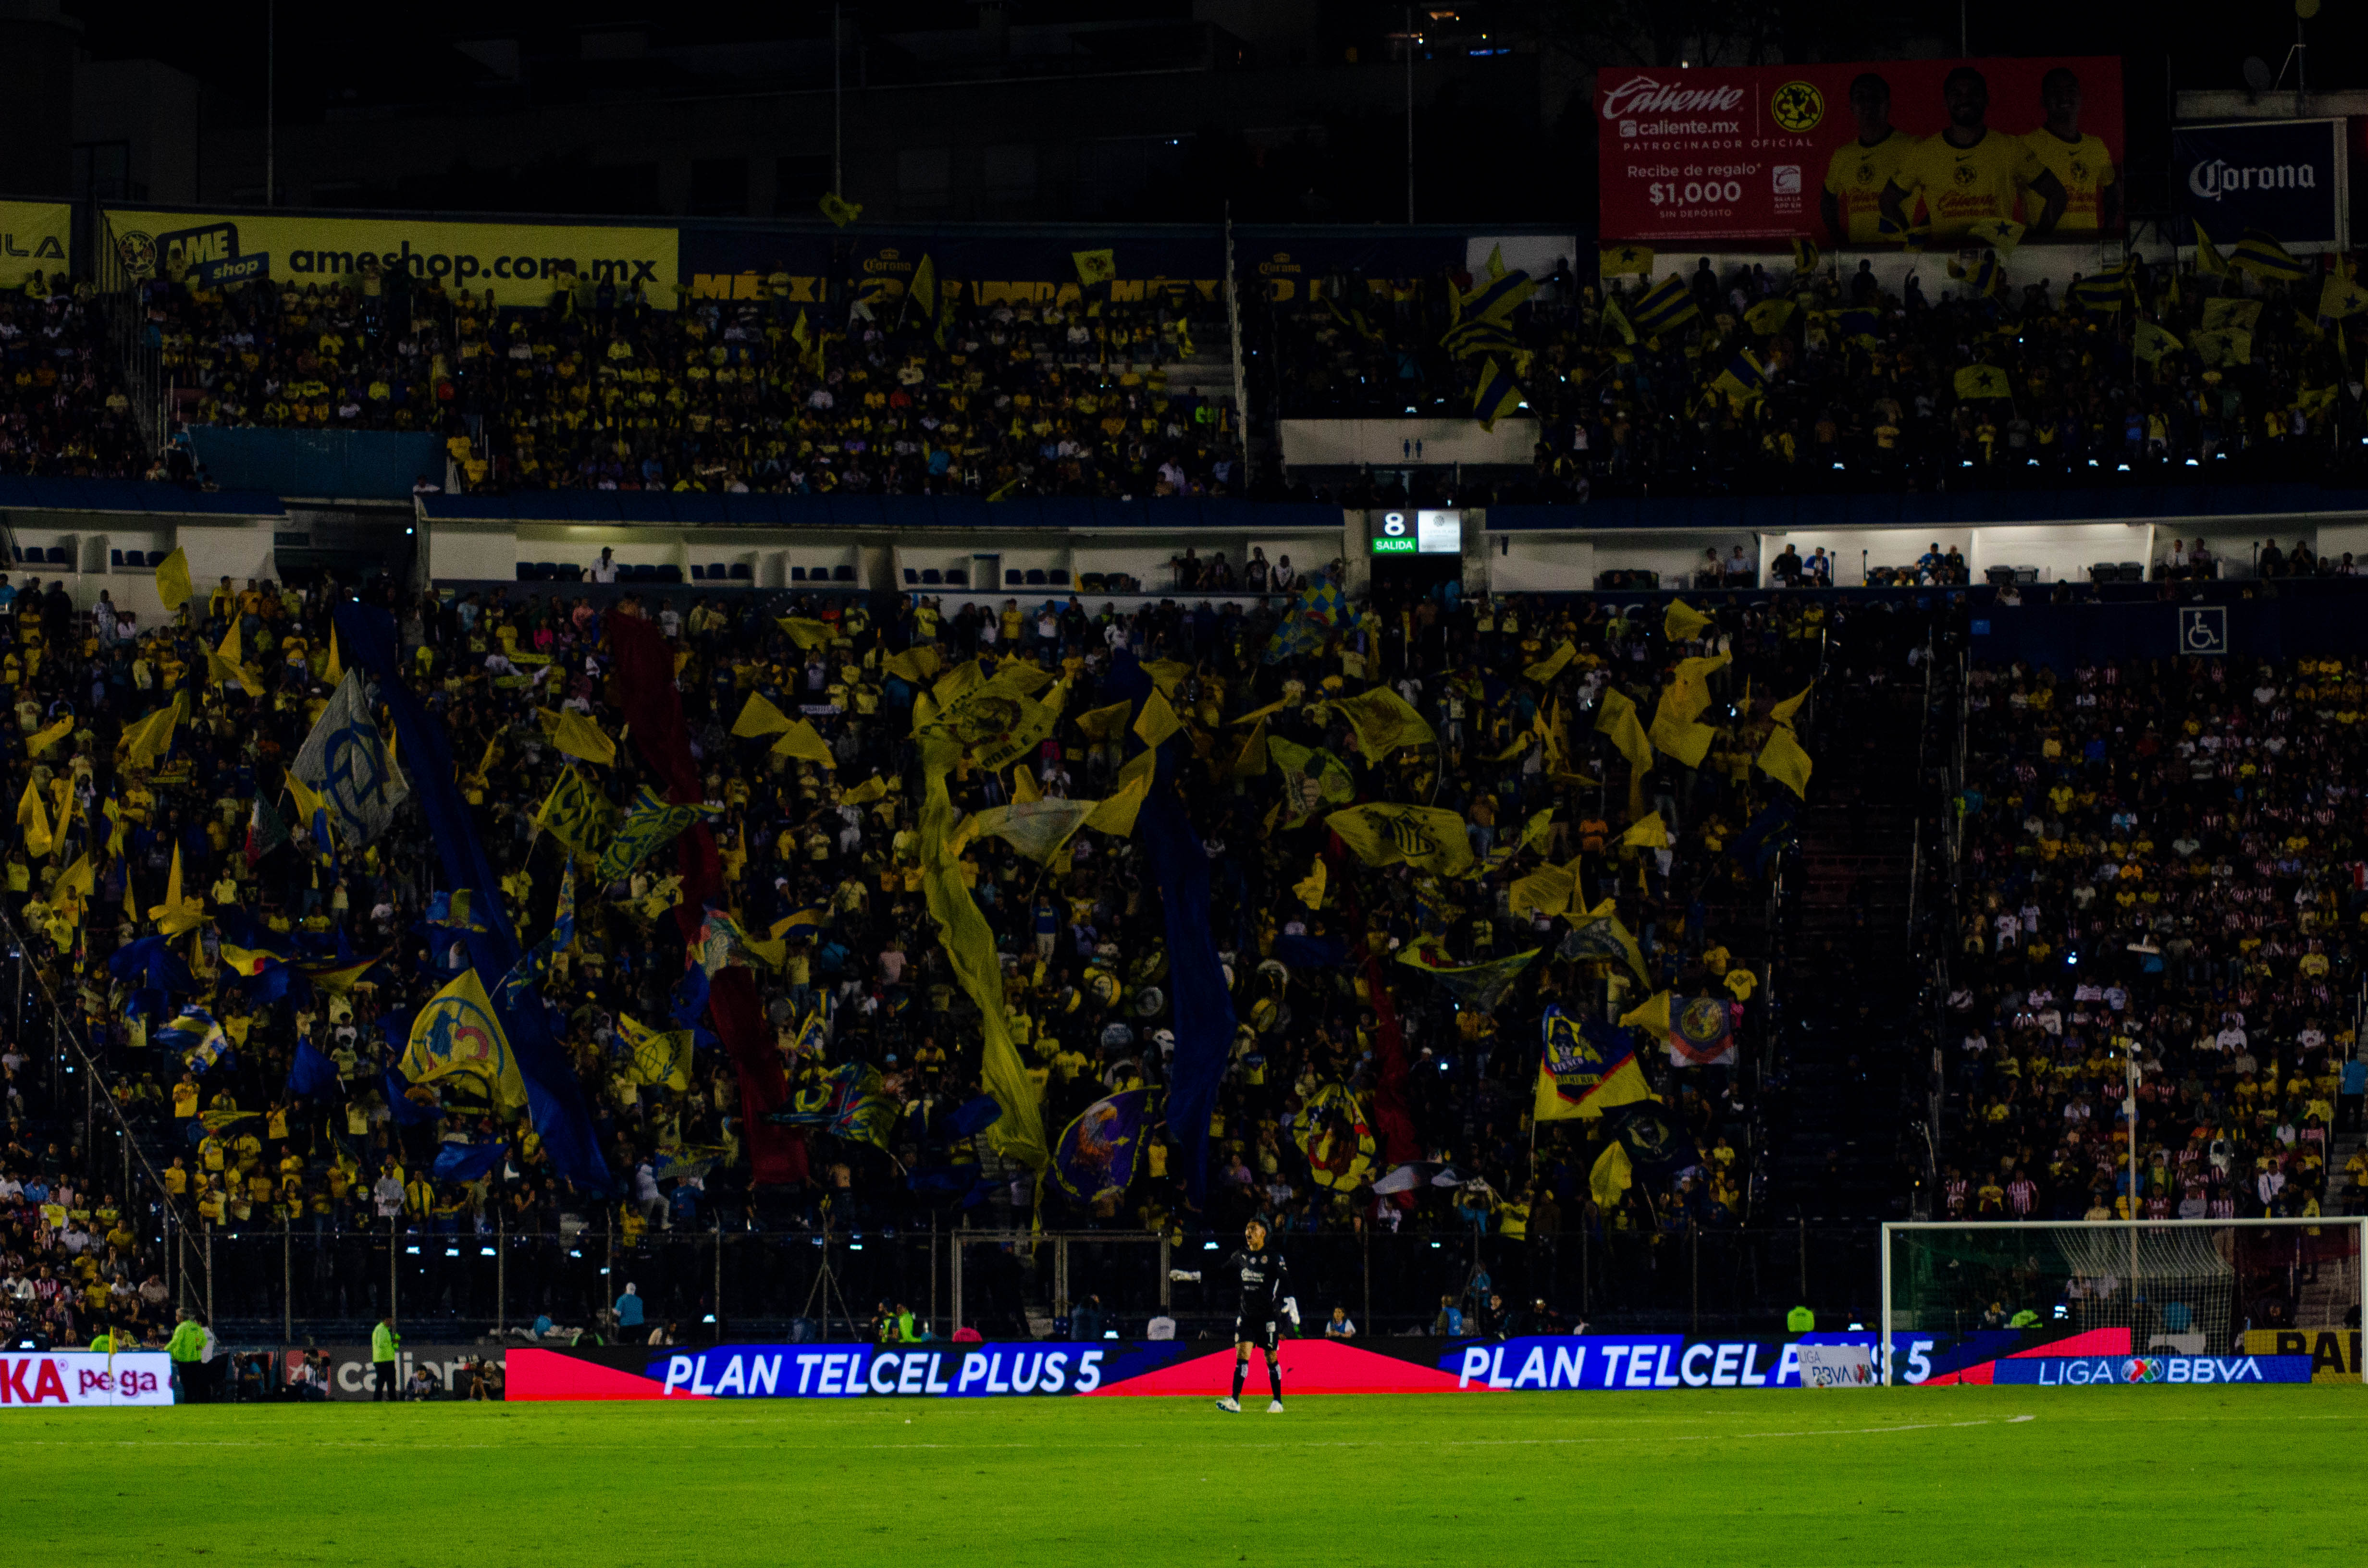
[2061, 551]
[1673, 555]
[1519, 563]
[1884, 547]
[1355, 443]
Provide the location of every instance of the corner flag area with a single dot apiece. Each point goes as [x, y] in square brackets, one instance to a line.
[1970, 1475]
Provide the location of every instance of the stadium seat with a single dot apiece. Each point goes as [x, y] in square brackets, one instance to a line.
[931, 577]
[957, 577]
[59, 556]
[697, 572]
[911, 576]
[1091, 582]
[1036, 577]
[1058, 576]
[1011, 577]
[1998, 576]
[2104, 572]
[740, 571]
[842, 574]
[2026, 576]
[670, 573]
[797, 574]
[2132, 570]
[115, 558]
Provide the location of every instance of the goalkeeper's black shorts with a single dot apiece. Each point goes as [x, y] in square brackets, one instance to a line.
[1264, 1336]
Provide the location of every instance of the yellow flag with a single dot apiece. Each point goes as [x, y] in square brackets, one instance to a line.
[759, 716]
[1784, 711]
[1649, 833]
[172, 581]
[47, 738]
[800, 740]
[1978, 381]
[1651, 1016]
[34, 818]
[1023, 786]
[310, 800]
[1688, 693]
[863, 794]
[915, 663]
[458, 1034]
[1682, 623]
[1116, 815]
[1682, 738]
[807, 634]
[1424, 836]
[1783, 760]
[146, 740]
[1037, 829]
[1157, 720]
[1103, 725]
[968, 943]
[1310, 888]
[1539, 826]
[1546, 891]
[656, 1056]
[1613, 1176]
[177, 914]
[1094, 266]
[1384, 722]
[228, 663]
[1617, 717]
[578, 736]
[1166, 674]
[1255, 714]
[335, 669]
[1545, 669]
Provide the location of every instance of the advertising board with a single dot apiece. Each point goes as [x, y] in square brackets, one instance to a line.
[2283, 178]
[1718, 155]
[80, 1380]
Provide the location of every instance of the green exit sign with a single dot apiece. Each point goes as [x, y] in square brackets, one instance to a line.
[1395, 547]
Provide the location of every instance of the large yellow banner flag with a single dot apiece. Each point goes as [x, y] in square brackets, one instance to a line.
[1018, 1133]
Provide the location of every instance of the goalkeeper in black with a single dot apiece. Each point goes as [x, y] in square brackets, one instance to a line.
[1265, 1303]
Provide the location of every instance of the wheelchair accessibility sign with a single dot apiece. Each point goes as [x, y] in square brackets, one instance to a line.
[2204, 628]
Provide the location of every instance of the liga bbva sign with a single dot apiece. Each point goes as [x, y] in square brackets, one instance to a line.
[520, 260]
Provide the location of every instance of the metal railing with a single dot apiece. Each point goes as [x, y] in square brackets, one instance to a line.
[329, 1285]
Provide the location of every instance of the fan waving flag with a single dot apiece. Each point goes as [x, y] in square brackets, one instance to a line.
[1701, 1031]
[345, 759]
[1580, 1078]
[456, 1034]
[1665, 305]
[1095, 1158]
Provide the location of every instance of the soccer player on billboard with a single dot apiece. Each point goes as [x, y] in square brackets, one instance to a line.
[2092, 196]
[1862, 168]
[1969, 172]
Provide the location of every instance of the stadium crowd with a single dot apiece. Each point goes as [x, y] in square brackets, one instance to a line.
[594, 387]
[2162, 890]
[1848, 385]
[62, 405]
[172, 896]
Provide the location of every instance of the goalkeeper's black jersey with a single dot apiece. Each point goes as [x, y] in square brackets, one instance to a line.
[1263, 1281]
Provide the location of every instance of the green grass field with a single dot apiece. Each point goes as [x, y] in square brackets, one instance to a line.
[1989, 1477]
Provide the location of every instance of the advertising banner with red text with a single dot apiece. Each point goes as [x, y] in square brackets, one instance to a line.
[1755, 156]
[73, 1380]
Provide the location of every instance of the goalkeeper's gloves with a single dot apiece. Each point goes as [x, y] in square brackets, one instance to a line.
[1182, 1274]
[1291, 1306]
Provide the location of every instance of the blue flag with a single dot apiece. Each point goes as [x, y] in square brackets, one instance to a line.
[311, 1072]
[467, 1162]
[554, 1098]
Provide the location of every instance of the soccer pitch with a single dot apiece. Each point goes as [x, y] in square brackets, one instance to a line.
[1972, 1475]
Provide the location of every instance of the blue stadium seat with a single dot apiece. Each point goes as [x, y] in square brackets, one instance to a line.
[670, 573]
[797, 574]
[58, 557]
[911, 576]
[1011, 577]
[743, 573]
[1058, 576]
[931, 577]
[528, 572]
[839, 573]
[115, 558]
[1036, 577]
[157, 557]
[957, 577]
[697, 572]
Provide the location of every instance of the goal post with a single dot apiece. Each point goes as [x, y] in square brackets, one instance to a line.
[2188, 1287]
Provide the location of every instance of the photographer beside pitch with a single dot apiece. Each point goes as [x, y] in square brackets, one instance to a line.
[1257, 1321]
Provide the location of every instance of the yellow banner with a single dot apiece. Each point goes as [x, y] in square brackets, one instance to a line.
[521, 261]
[2334, 1352]
[35, 236]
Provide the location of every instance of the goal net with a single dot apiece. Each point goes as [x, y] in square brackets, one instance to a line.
[2189, 1287]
